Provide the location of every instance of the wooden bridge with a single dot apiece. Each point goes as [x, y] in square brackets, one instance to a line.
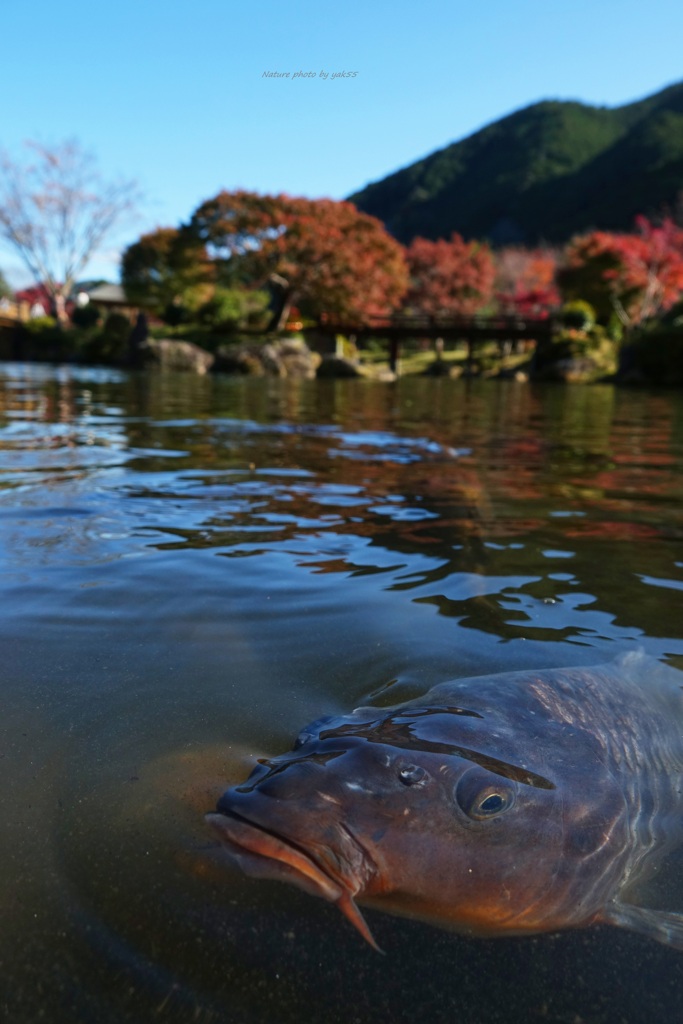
[394, 329]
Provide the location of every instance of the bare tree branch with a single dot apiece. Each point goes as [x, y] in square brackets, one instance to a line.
[56, 210]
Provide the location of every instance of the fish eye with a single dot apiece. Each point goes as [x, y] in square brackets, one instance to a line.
[483, 799]
[494, 803]
[412, 774]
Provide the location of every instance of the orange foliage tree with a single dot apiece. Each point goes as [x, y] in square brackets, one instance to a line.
[448, 278]
[325, 256]
[635, 276]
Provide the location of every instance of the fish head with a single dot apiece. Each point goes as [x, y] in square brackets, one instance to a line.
[398, 811]
[290, 820]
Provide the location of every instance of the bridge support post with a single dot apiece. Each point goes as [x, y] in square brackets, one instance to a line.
[393, 354]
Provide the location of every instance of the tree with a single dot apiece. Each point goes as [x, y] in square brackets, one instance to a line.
[324, 255]
[654, 260]
[633, 276]
[448, 278]
[56, 211]
[166, 268]
[5, 290]
[525, 281]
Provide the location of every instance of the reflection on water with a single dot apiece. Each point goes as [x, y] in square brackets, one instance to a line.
[193, 569]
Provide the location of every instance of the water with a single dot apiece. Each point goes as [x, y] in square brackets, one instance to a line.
[194, 569]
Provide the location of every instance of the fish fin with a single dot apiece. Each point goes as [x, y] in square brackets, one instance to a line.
[656, 924]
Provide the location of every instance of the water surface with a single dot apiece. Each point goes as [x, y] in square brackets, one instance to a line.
[192, 569]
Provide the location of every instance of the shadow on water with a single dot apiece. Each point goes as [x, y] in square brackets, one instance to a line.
[195, 568]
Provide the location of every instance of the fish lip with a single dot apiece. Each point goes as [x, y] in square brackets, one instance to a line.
[255, 847]
[241, 835]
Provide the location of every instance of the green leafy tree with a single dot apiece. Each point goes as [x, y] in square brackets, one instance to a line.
[166, 269]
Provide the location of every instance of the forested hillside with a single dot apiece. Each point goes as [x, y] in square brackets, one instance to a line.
[541, 174]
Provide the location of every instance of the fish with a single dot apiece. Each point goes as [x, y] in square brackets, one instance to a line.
[500, 805]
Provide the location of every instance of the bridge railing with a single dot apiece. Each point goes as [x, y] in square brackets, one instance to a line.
[472, 330]
[432, 324]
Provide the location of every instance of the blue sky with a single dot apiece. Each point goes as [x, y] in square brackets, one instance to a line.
[172, 94]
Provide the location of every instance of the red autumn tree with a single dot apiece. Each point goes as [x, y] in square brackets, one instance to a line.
[326, 256]
[635, 276]
[525, 281]
[448, 278]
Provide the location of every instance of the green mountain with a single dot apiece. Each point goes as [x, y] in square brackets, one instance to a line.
[542, 173]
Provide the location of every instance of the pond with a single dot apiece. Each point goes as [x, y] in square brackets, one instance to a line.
[194, 568]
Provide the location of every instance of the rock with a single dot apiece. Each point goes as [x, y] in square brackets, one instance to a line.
[168, 354]
[574, 370]
[440, 368]
[239, 360]
[289, 357]
[338, 366]
[383, 373]
[514, 373]
[296, 358]
[437, 368]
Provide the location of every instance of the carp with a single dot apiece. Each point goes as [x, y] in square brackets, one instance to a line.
[508, 804]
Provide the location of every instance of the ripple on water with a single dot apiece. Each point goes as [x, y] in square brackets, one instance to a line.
[194, 569]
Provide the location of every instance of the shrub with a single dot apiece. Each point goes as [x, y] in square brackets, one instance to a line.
[86, 316]
[41, 326]
[233, 308]
[656, 355]
[44, 339]
[592, 351]
[578, 315]
[110, 344]
[176, 314]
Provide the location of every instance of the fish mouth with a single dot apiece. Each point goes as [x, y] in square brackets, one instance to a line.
[262, 853]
